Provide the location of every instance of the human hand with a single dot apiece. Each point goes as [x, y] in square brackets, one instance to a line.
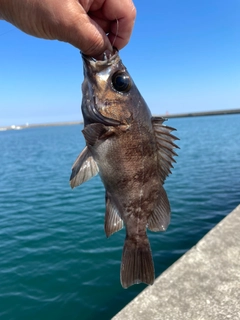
[82, 23]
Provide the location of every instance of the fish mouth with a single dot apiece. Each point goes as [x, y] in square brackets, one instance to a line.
[96, 116]
[91, 67]
[105, 59]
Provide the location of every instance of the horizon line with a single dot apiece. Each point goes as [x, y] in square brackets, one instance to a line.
[166, 116]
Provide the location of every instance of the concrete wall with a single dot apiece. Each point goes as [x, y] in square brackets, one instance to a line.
[204, 284]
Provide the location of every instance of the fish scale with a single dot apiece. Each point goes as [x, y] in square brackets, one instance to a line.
[133, 154]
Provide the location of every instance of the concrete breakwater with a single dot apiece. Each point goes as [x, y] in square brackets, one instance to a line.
[202, 113]
[204, 284]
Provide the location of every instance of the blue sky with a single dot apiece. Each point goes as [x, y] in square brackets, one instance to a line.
[184, 56]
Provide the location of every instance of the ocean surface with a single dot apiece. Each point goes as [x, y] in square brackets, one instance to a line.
[55, 260]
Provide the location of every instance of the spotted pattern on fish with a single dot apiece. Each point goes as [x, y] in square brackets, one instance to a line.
[133, 154]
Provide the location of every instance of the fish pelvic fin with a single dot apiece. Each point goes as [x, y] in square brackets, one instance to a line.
[83, 169]
[160, 218]
[165, 145]
[113, 221]
[137, 263]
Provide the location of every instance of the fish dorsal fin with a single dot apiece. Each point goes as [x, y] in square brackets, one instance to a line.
[165, 146]
[113, 222]
[160, 218]
[93, 132]
[83, 169]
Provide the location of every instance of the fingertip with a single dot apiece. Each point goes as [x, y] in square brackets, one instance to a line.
[88, 37]
[96, 43]
[122, 26]
[132, 12]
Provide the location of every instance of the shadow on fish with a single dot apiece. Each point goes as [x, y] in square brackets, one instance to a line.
[133, 154]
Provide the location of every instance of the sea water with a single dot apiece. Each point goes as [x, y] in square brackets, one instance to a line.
[55, 260]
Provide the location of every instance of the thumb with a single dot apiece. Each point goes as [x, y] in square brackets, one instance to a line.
[85, 34]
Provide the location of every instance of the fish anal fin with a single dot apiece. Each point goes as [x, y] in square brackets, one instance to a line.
[83, 169]
[165, 145]
[113, 221]
[160, 218]
[137, 264]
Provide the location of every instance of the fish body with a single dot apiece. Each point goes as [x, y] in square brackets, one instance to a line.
[133, 153]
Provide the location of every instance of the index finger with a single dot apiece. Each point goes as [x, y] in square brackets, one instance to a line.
[122, 14]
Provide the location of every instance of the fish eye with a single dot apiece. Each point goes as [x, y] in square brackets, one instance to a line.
[121, 81]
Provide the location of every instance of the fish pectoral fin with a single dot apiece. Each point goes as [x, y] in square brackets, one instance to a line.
[93, 132]
[83, 169]
[97, 131]
[113, 221]
[165, 146]
[160, 218]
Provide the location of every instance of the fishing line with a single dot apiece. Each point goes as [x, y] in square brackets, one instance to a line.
[1, 34]
[116, 34]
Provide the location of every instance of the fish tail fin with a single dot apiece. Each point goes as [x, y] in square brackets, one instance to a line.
[137, 263]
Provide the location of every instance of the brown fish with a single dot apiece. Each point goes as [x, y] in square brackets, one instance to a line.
[133, 153]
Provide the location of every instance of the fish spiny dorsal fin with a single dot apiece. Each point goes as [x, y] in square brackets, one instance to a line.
[83, 169]
[165, 146]
[113, 222]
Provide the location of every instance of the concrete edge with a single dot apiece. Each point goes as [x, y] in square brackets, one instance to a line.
[203, 284]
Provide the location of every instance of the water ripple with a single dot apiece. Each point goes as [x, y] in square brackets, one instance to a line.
[56, 261]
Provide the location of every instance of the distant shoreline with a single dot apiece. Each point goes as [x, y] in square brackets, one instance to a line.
[167, 116]
[39, 125]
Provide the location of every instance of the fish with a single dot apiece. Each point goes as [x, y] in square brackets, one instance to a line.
[133, 152]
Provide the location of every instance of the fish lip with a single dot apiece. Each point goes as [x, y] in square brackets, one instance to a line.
[98, 117]
[108, 57]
